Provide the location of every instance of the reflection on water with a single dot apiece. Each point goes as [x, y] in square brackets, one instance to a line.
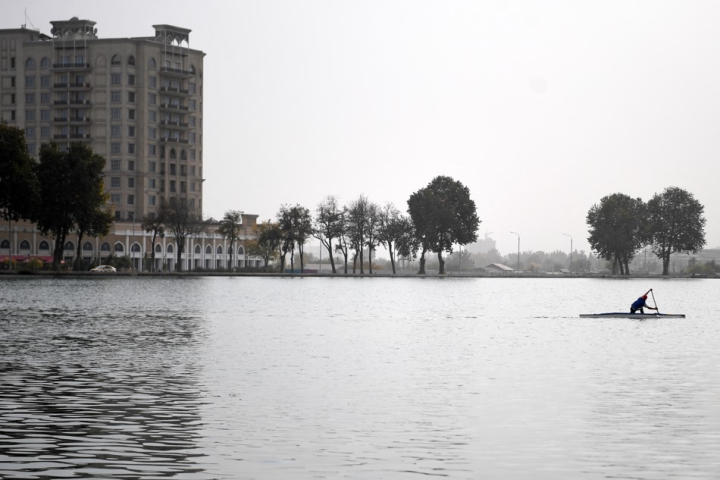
[346, 378]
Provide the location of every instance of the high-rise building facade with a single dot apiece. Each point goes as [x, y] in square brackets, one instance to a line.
[137, 102]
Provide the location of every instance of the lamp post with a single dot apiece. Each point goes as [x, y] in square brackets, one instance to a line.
[571, 250]
[518, 263]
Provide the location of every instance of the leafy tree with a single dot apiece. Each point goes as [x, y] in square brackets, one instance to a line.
[303, 230]
[183, 222]
[329, 224]
[230, 229]
[344, 241]
[267, 241]
[287, 237]
[71, 194]
[675, 224]
[357, 220]
[154, 224]
[394, 231]
[18, 186]
[444, 215]
[616, 229]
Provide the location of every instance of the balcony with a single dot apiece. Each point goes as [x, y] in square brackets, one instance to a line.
[80, 136]
[173, 140]
[76, 101]
[71, 66]
[60, 136]
[73, 85]
[175, 90]
[172, 106]
[176, 72]
[171, 123]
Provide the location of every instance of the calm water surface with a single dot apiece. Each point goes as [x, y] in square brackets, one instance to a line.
[262, 378]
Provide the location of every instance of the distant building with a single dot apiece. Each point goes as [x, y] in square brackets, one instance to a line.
[498, 268]
[483, 245]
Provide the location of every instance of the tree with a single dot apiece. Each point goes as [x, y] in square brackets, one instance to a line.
[394, 232]
[329, 224]
[18, 185]
[182, 221]
[372, 224]
[303, 230]
[17, 176]
[616, 229]
[268, 238]
[230, 229]
[343, 240]
[675, 223]
[71, 194]
[357, 218]
[154, 224]
[444, 215]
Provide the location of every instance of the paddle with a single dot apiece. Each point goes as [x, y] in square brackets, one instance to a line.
[656, 307]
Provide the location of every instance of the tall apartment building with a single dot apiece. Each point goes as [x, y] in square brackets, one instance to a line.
[137, 102]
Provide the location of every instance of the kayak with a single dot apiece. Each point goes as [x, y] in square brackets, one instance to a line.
[631, 315]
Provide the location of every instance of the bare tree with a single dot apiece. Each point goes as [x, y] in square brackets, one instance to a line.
[183, 221]
[356, 228]
[329, 224]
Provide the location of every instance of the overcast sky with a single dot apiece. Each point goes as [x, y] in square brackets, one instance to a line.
[540, 108]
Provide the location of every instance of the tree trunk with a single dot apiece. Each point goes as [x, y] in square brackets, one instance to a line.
[78, 252]
[392, 257]
[422, 263]
[178, 261]
[666, 264]
[302, 261]
[442, 263]
[330, 254]
[58, 251]
[292, 261]
[355, 256]
[362, 265]
[370, 258]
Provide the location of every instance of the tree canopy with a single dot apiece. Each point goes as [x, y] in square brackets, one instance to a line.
[443, 214]
[18, 188]
[675, 223]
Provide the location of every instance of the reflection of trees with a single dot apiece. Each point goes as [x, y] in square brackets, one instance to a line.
[111, 399]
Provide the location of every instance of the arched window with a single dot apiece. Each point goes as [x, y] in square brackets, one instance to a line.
[229, 251]
[197, 250]
[208, 250]
[115, 60]
[241, 251]
[70, 246]
[24, 245]
[44, 245]
[170, 249]
[158, 248]
[30, 63]
[119, 247]
[131, 60]
[87, 247]
[192, 69]
[135, 247]
[105, 247]
[173, 154]
[5, 244]
[219, 250]
[45, 63]
[152, 63]
[183, 155]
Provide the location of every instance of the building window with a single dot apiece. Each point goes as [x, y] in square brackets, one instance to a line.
[131, 199]
[44, 98]
[45, 115]
[192, 154]
[131, 114]
[45, 63]
[192, 138]
[115, 114]
[115, 96]
[115, 198]
[114, 164]
[191, 105]
[30, 132]
[152, 133]
[192, 186]
[192, 121]
[118, 215]
[152, 115]
[32, 149]
[131, 97]
[30, 98]
[131, 60]
[131, 148]
[172, 186]
[44, 132]
[192, 88]
[115, 182]
[152, 82]
[152, 99]
[115, 79]
[45, 81]
[152, 183]
[152, 150]
[131, 182]
[30, 63]
[151, 167]
[152, 63]
[115, 148]
[131, 131]
[152, 200]
[173, 169]
[116, 60]
[30, 115]
[192, 170]
[30, 81]
[131, 165]
[131, 79]
[115, 130]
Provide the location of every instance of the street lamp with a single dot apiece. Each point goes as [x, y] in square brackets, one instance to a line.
[518, 235]
[571, 250]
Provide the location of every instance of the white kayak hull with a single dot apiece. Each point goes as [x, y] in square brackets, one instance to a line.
[631, 315]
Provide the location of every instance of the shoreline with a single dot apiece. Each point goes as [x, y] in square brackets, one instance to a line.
[51, 274]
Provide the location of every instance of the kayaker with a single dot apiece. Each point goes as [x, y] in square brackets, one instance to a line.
[640, 304]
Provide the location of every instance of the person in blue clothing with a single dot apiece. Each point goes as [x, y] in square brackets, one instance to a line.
[640, 304]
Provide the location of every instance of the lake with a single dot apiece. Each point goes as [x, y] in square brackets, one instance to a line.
[357, 378]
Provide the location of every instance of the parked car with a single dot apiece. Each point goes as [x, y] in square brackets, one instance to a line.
[104, 269]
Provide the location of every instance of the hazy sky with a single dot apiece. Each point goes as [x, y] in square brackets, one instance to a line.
[540, 108]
